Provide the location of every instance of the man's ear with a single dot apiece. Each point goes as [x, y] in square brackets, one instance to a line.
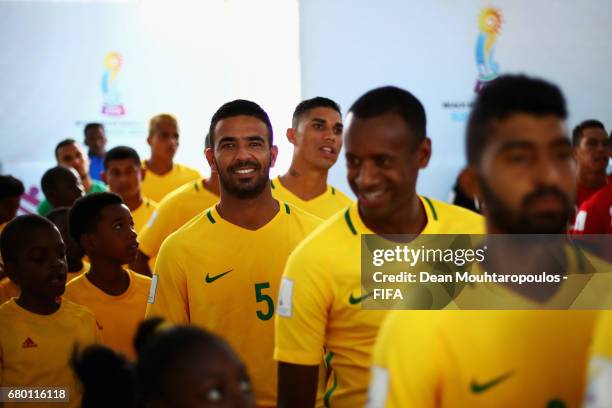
[291, 135]
[274, 153]
[470, 182]
[103, 177]
[143, 173]
[424, 153]
[149, 139]
[210, 158]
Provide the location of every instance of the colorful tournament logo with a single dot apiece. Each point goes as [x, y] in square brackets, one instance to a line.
[110, 91]
[489, 24]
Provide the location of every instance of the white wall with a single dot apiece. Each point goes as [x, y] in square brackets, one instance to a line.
[183, 57]
[351, 46]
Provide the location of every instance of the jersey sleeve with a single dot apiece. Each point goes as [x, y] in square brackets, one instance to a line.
[588, 219]
[168, 291]
[156, 229]
[599, 389]
[302, 311]
[405, 363]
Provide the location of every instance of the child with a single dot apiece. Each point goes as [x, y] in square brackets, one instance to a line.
[39, 330]
[74, 255]
[180, 366]
[11, 191]
[102, 225]
[62, 186]
[95, 140]
[123, 174]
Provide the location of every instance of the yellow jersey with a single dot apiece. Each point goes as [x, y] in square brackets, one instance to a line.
[9, 290]
[322, 206]
[492, 358]
[118, 317]
[599, 390]
[35, 350]
[465, 358]
[156, 187]
[320, 296]
[173, 212]
[143, 213]
[224, 278]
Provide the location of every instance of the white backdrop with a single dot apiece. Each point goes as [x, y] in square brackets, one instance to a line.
[188, 57]
[183, 57]
[351, 46]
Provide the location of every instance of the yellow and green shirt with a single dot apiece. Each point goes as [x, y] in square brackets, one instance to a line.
[321, 294]
[322, 206]
[156, 187]
[224, 278]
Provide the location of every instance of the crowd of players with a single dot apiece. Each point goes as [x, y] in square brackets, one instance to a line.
[235, 290]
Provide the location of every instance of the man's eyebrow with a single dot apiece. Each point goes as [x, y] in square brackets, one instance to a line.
[515, 144]
[226, 139]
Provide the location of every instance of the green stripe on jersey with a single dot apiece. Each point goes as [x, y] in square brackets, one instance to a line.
[287, 209]
[347, 218]
[328, 393]
[431, 207]
[210, 217]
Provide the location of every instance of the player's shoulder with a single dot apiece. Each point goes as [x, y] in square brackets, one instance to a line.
[191, 230]
[602, 198]
[299, 215]
[180, 193]
[465, 221]
[330, 233]
[139, 280]
[150, 204]
[339, 195]
[182, 168]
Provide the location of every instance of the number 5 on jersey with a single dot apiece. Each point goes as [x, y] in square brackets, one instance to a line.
[268, 311]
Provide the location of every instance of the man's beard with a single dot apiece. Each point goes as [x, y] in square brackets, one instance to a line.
[522, 222]
[248, 190]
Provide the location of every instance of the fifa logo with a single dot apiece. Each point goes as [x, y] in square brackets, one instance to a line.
[489, 24]
[110, 90]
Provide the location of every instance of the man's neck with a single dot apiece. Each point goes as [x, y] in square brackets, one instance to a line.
[108, 276]
[212, 183]
[592, 179]
[250, 214]
[133, 202]
[87, 183]
[99, 155]
[306, 182]
[37, 305]
[411, 219]
[526, 255]
[158, 165]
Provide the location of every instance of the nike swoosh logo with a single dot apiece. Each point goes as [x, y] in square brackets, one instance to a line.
[211, 279]
[480, 388]
[354, 300]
